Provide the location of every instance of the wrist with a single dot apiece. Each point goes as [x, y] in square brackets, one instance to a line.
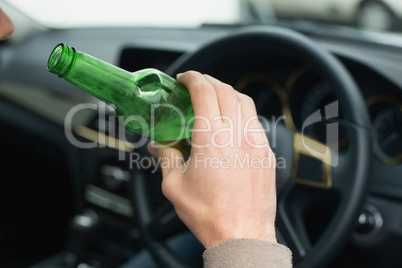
[269, 236]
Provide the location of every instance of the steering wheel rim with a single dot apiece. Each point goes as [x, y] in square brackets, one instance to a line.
[356, 122]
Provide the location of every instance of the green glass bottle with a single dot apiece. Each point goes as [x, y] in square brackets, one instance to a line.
[147, 102]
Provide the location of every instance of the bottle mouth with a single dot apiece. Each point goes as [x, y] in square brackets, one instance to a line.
[61, 59]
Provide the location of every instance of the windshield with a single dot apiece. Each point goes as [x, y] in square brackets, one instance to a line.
[126, 13]
[374, 15]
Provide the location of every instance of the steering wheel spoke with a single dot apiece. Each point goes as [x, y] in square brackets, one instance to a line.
[291, 230]
[341, 173]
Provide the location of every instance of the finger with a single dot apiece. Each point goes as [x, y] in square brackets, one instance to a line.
[205, 106]
[248, 108]
[253, 134]
[203, 94]
[170, 159]
[227, 99]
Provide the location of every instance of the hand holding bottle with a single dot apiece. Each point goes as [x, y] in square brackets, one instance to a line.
[225, 190]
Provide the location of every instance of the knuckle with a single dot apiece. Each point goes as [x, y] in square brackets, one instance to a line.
[204, 90]
[192, 73]
[246, 98]
[227, 88]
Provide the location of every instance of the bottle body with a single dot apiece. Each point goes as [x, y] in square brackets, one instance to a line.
[147, 102]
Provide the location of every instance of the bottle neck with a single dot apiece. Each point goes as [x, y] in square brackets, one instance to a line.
[101, 79]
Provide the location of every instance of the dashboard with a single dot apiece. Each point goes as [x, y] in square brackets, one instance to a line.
[296, 92]
[284, 89]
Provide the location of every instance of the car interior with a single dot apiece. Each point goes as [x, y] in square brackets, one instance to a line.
[74, 192]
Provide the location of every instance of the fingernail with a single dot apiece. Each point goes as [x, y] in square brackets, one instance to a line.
[178, 75]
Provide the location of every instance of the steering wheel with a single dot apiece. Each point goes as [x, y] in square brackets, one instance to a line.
[344, 174]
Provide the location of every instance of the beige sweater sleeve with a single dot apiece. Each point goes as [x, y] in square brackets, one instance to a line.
[247, 253]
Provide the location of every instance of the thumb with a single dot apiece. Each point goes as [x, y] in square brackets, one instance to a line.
[170, 159]
[172, 165]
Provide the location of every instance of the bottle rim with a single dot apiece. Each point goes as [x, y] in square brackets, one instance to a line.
[61, 59]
